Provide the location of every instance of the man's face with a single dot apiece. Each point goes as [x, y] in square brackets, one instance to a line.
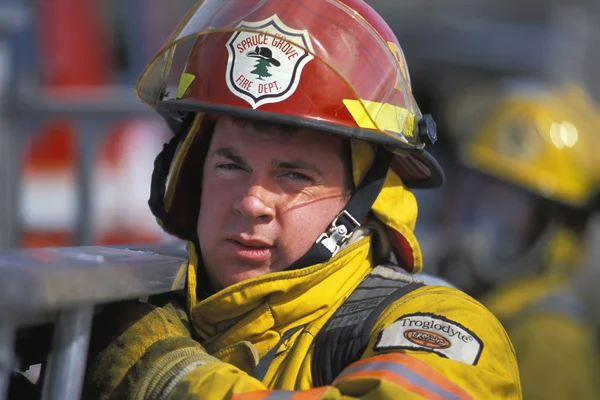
[267, 195]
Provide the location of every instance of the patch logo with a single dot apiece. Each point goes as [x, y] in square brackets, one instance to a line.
[434, 333]
[266, 67]
[427, 339]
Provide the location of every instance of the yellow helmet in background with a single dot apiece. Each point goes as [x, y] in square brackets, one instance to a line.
[529, 180]
[542, 140]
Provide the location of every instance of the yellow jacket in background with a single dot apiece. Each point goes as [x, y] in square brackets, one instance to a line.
[435, 342]
[557, 349]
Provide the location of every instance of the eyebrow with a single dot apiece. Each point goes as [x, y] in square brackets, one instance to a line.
[230, 154]
[293, 165]
[296, 164]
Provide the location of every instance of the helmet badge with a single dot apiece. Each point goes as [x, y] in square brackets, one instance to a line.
[265, 61]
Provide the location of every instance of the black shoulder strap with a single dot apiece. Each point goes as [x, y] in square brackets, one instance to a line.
[345, 336]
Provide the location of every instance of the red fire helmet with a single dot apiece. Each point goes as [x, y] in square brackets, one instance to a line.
[330, 65]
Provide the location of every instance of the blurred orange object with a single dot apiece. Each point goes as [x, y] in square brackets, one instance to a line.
[48, 197]
[73, 47]
[122, 167]
[122, 183]
[73, 43]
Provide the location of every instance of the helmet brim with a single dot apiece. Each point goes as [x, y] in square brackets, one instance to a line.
[417, 168]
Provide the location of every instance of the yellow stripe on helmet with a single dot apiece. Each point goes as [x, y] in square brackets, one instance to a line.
[381, 116]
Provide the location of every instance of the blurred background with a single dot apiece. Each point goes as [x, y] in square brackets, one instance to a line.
[513, 86]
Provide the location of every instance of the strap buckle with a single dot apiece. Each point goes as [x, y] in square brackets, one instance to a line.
[336, 235]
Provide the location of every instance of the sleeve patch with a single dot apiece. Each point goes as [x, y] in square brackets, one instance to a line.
[434, 333]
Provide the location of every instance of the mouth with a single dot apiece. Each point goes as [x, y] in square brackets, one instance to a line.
[257, 244]
[251, 250]
[254, 247]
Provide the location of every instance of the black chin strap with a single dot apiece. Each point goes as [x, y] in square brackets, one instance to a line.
[346, 222]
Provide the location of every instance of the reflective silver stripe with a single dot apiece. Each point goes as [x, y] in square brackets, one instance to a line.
[287, 394]
[404, 372]
[178, 378]
[367, 293]
[280, 395]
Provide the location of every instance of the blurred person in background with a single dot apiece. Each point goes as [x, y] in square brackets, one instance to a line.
[296, 142]
[515, 225]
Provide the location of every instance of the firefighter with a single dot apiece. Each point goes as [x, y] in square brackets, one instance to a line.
[527, 189]
[296, 141]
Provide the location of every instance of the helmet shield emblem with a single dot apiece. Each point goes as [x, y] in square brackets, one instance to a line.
[265, 61]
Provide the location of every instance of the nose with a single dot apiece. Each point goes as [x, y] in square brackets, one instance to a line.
[254, 205]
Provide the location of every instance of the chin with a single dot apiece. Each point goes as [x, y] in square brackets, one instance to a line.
[243, 275]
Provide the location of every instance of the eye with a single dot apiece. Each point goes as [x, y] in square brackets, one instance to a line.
[298, 176]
